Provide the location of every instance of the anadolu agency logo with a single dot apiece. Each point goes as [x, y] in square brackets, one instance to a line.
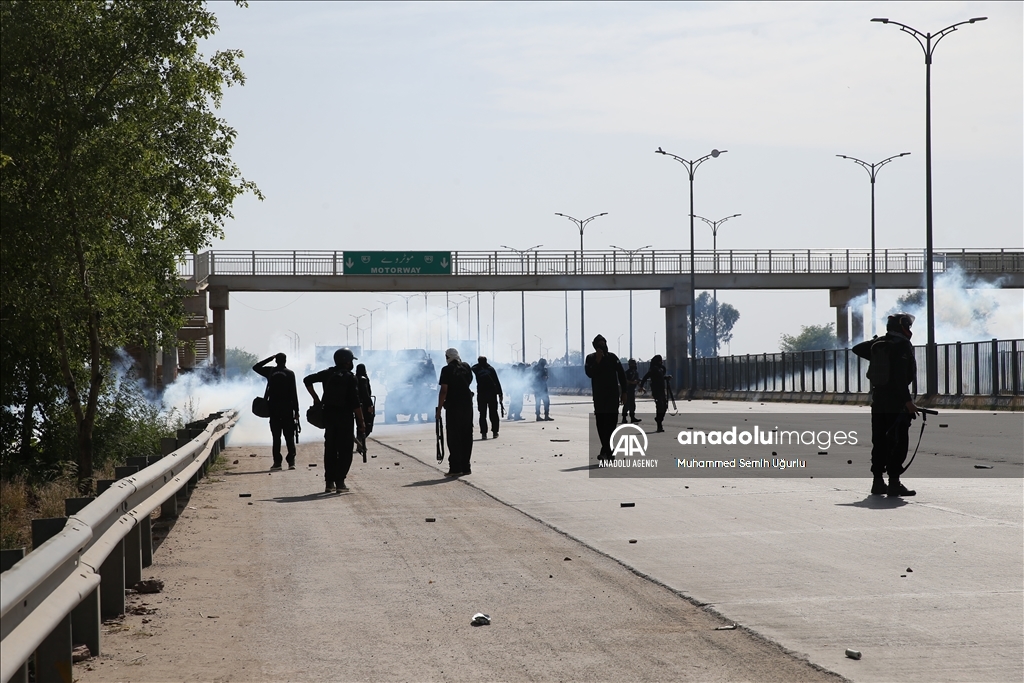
[629, 441]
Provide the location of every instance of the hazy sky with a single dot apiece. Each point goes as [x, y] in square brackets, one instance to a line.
[467, 126]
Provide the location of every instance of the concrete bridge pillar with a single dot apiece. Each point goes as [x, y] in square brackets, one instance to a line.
[219, 303]
[840, 299]
[676, 302]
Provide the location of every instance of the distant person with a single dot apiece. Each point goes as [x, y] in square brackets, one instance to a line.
[365, 392]
[455, 396]
[488, 395]
[515, 401]
[629, 403]
[659, 389]
[284, 406]
[340, 403]
[540, 390]
[893, 368]
[608, 385]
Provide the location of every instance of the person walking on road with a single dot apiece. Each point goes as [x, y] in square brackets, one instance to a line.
[629, 404]
[893, 367]
[659, 385]
[365, 392]
[340, 403]
[284, 406]
[608, 385]
[515, 401]
[455, 397]
[488, 395]
[540, 390]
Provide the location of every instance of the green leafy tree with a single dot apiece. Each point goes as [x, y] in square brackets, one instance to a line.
[727, 317]
[811, 338]
[239, 362]
[115, 165]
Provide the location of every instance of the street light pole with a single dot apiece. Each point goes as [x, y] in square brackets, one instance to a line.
[358, 318]
[347, 326]
[691, 168]
[522, 294]
[872, 170]
[371, 312]
[714, 251]
[631, 252]
[387, 323]
[928, 43]
[581, 224]
[407, 297]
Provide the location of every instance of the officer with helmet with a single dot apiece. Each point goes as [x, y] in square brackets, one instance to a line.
[340, 403]
[892, 369]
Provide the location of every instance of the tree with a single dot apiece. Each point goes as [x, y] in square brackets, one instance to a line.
[239, 362]
[115, 166]
[811, 338]
[727, 317]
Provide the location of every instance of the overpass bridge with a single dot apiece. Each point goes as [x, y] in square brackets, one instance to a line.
[845, 273]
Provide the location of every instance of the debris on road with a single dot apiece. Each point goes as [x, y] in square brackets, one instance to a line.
[627, 505]
[853, 654]
[983, 467]
[245, 495]
[431, 519]
[80, 653]
[481, 619]
[313, 464]
[149, 586]
[909, 570]
[560, 440]
[632, 540]
[252, 455]
[235, 462]
[731, 627]
[568, 559]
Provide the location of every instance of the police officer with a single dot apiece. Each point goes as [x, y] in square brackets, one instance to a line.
[488, 394]
[608, 386]
[365, 392]
[659, 384]
[629, 404]
[540, 390]
[456, 398]
[340, 403]
[893, 368]
[284, 406]
[515, 402]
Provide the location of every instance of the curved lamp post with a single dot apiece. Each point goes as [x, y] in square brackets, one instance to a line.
[872, 170]
[582, 225]
[928, 43]
[715, 225]
[522, 294]
[631, 253]
[691, 168]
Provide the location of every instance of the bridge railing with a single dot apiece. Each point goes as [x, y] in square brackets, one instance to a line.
[989, 368]
[57, 593]
[605, 262]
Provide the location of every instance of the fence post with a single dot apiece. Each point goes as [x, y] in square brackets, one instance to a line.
[53, 656]
[803, 367]
[945, 367]
[85, 618]
[133, 540]
[995, 367]
[846, 371]
[1014, 368]
[9, 558]
[959, 369]
[977, 369]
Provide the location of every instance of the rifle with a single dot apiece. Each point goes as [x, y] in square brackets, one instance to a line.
[671, 396]
[298, 429]
[439, 429]
[502, 404]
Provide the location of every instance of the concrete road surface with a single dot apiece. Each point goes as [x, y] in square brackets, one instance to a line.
[290, 584]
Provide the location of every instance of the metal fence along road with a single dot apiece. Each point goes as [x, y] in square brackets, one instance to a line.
[58, 593]
[598, 262]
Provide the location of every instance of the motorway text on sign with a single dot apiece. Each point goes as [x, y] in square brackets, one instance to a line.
[397, 262]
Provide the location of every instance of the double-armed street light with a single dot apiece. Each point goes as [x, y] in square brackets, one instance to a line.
[631, 252]
[371, 311]
[387, 322]
[522, 294]
[872, 170]
[407, 297]
[715, 225]
[357, 319]
[581, 224]
[347, 326]
[691, 168]
[928, 43]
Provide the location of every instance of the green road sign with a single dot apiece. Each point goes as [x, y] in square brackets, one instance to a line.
[398, 262]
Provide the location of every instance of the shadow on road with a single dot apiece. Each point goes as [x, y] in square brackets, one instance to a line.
[300, 499]
[431, 482]
[227, 473]
[581, 467]
[876, 503]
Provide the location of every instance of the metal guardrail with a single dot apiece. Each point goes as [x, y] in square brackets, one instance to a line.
[599, 262]
[39, 592]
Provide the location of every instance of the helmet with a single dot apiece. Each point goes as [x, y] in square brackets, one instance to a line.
[342, 355]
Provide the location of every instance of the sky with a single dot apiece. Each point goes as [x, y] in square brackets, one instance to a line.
[466, 126]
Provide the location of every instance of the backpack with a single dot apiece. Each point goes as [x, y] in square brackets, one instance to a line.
[878, 352]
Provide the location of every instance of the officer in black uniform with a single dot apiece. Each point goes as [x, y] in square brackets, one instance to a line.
[488, 394]
[659, 381]
[893, 368]
[284, 406]
[340, 403]
[540, 390]
[629, 404]
[365, 392]
[456, 398]
[608, 386]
